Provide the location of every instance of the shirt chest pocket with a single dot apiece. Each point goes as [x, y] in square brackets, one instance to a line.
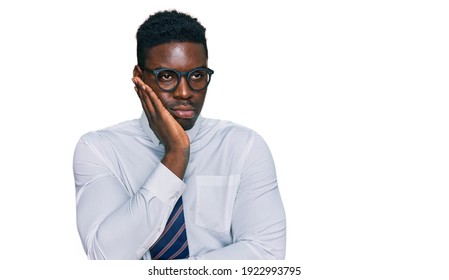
[215, 196]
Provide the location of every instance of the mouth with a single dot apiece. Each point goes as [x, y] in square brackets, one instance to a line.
[183, 111]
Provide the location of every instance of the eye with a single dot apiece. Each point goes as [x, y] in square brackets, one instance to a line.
[166, 76]
[198, 75]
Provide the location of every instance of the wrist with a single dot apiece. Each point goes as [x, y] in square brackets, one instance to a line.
[176, 160]
[177, 152]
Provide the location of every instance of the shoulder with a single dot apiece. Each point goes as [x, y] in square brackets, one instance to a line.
[126, 129]
[224, 129]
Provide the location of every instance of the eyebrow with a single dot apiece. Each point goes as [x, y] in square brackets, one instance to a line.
[159, 66]
[170, 68]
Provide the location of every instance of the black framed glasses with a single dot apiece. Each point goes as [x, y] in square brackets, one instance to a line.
[168, 79]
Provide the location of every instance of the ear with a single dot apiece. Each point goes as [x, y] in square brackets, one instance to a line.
[137, 72]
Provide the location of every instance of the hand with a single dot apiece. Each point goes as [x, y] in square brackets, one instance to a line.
[166, 128]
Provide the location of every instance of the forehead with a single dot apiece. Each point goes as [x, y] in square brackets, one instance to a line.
[181, 56]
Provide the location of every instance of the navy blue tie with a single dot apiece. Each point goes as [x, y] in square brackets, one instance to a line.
[172, 244]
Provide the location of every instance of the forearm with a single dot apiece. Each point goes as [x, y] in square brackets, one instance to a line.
[258, 230]
[113, 225]
[126, 232]
[244, 250]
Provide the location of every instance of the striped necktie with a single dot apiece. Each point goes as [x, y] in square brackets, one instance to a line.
[172, 244]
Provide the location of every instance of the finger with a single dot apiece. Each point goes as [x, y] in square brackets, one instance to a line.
[156, 102]
[139, 83]
[148, 112]
[147, 104]
[151, 115]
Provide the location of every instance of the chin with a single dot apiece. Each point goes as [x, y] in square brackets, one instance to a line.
[187, 124]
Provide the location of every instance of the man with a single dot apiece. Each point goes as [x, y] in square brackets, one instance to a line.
[172, 184]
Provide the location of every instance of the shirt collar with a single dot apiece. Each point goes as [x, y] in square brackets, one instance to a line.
[191, 133]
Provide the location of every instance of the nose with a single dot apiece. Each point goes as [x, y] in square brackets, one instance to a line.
[183, 90]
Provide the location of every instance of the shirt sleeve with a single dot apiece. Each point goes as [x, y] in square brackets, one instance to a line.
[112, 223]
[258, 222]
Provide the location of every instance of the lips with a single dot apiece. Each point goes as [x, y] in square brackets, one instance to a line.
[183, 111]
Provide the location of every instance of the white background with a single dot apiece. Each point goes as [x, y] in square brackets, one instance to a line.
[351, 96]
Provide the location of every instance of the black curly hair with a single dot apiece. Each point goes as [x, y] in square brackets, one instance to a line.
[166, 27]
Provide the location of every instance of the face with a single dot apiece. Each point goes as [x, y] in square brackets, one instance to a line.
[184, 104]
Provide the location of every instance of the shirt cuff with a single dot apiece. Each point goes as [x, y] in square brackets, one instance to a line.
[164, 184]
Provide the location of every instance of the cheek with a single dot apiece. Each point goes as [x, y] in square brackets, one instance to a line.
[199, 99]
[203, 96]
[165, 97]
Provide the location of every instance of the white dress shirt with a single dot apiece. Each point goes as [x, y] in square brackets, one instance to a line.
[124, 194]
